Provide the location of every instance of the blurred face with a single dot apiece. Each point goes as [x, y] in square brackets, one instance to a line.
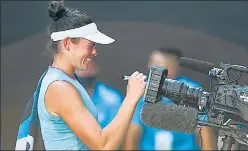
[81, 53]
[163, 60]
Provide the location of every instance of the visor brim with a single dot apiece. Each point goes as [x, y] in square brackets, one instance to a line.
[100, 38]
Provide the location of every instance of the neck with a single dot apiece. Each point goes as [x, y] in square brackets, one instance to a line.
[61, 63]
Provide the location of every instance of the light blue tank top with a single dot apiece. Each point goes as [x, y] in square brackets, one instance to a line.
[55, 132]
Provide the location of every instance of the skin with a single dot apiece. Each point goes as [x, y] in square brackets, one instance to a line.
[93, 71]
[62, 99]
[135, 131]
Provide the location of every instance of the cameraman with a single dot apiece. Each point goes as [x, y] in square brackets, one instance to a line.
[143, 137]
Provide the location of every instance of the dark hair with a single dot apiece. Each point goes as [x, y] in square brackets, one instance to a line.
[64, 18]
[171, 51]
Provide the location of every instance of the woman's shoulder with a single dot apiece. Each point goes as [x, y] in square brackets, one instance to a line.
[56, 75]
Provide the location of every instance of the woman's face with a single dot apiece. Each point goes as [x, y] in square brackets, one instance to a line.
[82, 53]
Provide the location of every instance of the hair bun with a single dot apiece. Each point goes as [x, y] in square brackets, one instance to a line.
[56, 9]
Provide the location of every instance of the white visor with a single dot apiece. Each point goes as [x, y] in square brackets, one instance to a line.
[89, 32]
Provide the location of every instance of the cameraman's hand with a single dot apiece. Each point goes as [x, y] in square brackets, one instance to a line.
[136, 86]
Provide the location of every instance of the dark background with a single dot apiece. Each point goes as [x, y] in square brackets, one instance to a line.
[207, 30]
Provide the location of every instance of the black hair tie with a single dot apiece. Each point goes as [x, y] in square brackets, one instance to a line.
[56, 16]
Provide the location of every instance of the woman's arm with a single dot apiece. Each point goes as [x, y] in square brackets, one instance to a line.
[63, 99]
[133, 136]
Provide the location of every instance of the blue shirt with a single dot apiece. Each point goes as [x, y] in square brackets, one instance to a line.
[55, 132]
[107, 101]
[160, 139]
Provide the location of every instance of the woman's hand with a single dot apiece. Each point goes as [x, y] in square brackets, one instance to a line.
[136, 86]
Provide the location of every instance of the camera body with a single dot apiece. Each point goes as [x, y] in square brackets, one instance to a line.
[229, 102]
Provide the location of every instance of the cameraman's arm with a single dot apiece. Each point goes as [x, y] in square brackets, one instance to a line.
[206, 138]
[205, 135]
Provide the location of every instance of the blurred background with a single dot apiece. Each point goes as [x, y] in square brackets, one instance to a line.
[206, 30]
